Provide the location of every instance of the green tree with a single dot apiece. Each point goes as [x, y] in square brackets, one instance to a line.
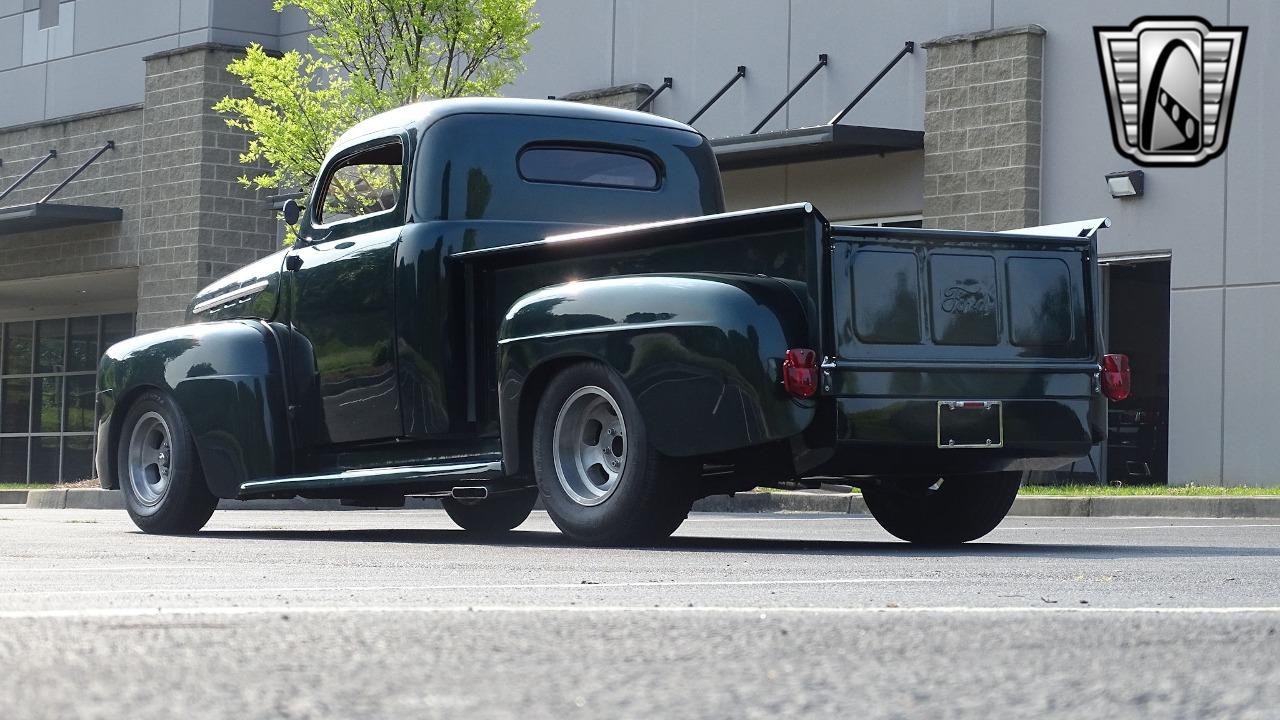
[370, 56]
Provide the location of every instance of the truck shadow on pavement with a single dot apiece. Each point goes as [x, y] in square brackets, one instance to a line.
[760, 545]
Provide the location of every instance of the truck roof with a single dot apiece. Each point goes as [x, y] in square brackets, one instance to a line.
[423, 114]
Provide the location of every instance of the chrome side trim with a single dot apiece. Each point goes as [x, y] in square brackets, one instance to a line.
[230, 296]
[357, 476]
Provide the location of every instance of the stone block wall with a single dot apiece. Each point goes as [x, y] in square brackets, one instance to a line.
[197, 222]
[982, 130]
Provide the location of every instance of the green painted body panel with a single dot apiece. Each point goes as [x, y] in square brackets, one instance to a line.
[225, 375]
[404, 351]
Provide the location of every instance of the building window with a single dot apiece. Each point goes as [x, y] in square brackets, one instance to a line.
[48, 375]
[48, 16]
[898, 221]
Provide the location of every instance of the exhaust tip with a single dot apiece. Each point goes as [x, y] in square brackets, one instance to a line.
[478, 492]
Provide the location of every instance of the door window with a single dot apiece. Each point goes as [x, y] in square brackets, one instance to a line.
[364, 184]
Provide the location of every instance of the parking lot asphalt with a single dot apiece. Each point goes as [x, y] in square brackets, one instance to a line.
[398, 614]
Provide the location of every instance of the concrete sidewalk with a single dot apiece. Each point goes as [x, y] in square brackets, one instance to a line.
[1217, 506]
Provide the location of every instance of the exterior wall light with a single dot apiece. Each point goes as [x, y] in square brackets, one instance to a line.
[1126, 183]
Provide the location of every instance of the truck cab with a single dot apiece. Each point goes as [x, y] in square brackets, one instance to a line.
[493, 300]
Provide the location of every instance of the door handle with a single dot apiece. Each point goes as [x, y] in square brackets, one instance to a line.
[292, 262]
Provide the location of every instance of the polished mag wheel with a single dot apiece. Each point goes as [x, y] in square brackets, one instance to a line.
[150, 458]
[590, 441]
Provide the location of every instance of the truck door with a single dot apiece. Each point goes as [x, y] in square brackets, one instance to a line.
[341, 306]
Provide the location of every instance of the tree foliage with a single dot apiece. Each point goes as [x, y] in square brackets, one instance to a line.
[370, 56]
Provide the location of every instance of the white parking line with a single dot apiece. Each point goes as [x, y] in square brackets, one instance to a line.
[1136, 527]
[105, 568]
[759, 612]
[499, 586]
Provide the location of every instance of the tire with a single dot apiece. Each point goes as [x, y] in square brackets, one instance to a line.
[600, 480]
[495, 514]
[961, 509]
[164, 488]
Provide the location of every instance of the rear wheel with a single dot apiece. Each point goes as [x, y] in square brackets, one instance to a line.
[497, 513]
[943, 512]
[600, 479]
[164, 489]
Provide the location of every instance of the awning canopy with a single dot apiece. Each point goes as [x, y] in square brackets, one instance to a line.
[825, 142]
[49, 216]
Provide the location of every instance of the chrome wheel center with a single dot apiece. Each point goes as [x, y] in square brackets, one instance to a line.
[590, 445]
[150, 459]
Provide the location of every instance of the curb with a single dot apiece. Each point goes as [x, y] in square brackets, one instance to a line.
[1214, 506]
[13, 497]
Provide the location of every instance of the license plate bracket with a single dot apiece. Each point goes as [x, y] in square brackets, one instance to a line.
[970, 424]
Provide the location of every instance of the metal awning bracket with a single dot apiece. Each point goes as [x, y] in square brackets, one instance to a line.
[908, 48]
[666, 83]
[822, 62]
[111, 144]
[51, 155]
[742, 72]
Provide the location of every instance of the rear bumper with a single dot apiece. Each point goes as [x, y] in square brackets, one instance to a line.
[899, 436]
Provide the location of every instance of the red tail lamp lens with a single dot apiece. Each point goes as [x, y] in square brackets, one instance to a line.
[800, 372]
[1115, 376]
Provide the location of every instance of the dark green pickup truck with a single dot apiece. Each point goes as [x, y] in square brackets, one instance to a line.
[495, 300]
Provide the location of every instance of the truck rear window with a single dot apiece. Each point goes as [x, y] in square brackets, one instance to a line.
[1040, 301]
[886, 297]
[582, 166]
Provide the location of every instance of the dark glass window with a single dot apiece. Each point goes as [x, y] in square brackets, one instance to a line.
[13, 459]
[886, 297]
[964, 299]
[48, 407]
[46, 411]
[82, 344]
[15, 405]
[51, 345]
[80, 404]
[77, 458]
[114, 329]
[44, 459]
[579, 166]
[17, 348]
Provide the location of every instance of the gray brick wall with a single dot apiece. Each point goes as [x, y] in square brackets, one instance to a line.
[982, 130]
[197, 222]
[111, 181]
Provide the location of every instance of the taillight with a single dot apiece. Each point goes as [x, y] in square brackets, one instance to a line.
[800, 372]
[1115, 376]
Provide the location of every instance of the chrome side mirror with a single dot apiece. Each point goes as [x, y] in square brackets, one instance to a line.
[291, 211]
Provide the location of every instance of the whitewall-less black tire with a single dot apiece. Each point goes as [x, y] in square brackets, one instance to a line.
[158, 470]
[601, 481]
[943, 512]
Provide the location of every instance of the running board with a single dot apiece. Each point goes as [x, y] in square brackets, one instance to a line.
[372, 477]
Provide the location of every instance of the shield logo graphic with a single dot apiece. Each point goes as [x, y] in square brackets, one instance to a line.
[1170, 85]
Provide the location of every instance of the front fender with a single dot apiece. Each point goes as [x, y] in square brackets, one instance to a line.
[699, 352]
[225, 377]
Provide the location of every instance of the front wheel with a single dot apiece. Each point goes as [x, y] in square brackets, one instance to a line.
[600, 479]
[496, 514]
[164, 488]
[943, 512]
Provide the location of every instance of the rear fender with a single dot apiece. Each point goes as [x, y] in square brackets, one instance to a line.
[701, 354]
[225, 378]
